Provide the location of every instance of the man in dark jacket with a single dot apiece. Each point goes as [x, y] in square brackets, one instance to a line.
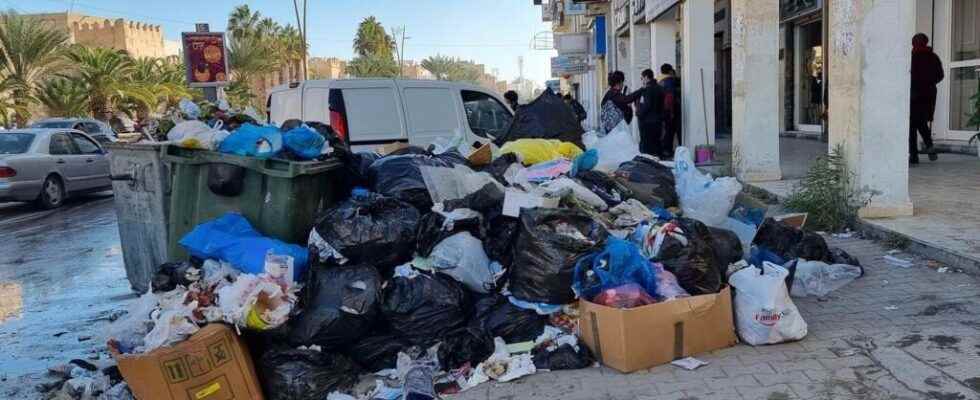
[927, 72]
[671, 85]
[650, 113]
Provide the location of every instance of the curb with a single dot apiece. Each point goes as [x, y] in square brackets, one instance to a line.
[868, 229]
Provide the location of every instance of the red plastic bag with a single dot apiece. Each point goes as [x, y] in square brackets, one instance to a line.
[626, 296]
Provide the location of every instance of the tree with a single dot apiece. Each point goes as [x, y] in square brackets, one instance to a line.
[372, 40]
[106, 75]
[447, 68]
[242, 21]
[29, 52]
[439, 65]
[64, 97]
[373, 66]
[164, 80]
[250, 57]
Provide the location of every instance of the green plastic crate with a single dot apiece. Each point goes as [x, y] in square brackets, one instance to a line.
[280, 198]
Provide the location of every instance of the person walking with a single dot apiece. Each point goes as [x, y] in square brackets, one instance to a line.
[650, 113]
[576, 106]
[671, 86]
[927, 72]
[615, 104]
[511, 97]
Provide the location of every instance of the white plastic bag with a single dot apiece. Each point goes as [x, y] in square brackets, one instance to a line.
[462, 257]
[194, 134]
[580, 192]
[614, 149]
[702, 198]
[454, 183]
[816, 278]
[257, 302]
[764, 312]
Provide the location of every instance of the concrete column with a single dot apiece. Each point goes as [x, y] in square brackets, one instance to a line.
[756, 101]
[697, 59]
[869, 97]
[663, 42]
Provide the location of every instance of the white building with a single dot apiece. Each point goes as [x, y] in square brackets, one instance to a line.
[761, 68]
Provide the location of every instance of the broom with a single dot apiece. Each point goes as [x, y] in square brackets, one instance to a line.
[704, 153]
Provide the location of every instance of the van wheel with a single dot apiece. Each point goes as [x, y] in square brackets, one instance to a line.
[52, 193]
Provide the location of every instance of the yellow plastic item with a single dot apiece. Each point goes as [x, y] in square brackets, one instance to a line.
[255, 321]
[533, 151]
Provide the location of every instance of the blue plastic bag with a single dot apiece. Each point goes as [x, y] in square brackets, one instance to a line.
[585, 161]
[253, 141]
[230, 238]
[760, 254]
[619, 263]
[303, 142]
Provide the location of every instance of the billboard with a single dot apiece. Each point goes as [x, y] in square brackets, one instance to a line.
[205, 59]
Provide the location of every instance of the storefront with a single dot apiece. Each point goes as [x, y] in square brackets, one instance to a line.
[803, 55]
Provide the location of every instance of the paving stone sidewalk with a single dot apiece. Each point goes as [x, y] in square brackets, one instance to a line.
[896, 334]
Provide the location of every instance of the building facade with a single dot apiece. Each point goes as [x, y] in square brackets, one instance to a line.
[838, 69]
[137, 38]
[327, 68]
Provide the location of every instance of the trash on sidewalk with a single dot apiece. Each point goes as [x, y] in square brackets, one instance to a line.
[533, 151]
[817, 278]
[689, 363]
[898, 262]
[765, 312]
[305, 373]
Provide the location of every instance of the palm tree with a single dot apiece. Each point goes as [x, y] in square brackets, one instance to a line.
[373, 66]
[439, 65]
[107, 75]
[372, 39]
[250, 57]
[64, 98]
[243, 21]
[29, 51]
[164, 80]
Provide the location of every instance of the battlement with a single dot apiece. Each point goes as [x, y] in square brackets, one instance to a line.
[93, 24]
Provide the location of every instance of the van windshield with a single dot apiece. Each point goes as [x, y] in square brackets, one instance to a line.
[15, 143]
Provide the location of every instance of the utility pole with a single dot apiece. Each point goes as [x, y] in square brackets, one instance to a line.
[395, 32]
[301, 23]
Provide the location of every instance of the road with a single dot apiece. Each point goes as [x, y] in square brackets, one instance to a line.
[61, 278]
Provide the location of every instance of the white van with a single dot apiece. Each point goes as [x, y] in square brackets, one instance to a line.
[372, 112]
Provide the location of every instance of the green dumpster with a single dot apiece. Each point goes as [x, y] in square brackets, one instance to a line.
[280, 198]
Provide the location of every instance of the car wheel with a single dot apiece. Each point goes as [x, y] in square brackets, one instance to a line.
[52, 193]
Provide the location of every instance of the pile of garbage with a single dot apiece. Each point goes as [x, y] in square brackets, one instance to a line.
[438, 273]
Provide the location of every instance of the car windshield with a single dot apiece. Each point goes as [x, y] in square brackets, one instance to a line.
[53, 124]
[15, 143]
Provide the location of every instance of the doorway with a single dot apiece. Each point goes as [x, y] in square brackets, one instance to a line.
[809, 75]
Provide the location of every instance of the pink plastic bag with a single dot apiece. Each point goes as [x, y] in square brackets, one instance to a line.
[629, 295]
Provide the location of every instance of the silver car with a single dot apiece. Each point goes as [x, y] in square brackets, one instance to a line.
[98, 130]
[49, 165]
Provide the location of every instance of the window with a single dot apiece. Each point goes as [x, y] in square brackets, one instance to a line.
[485, 114]
[964, 72]
[431, 110]
[52, 124]
[85, 146]
[15, 143]
[61, 145]
[90, 128]
[966, 30]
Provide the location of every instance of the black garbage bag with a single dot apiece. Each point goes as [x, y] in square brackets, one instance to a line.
[294, 374]
[811, 247]
[651, 182]
[790, 242]
[839, 256]
[422, 308]
[432, 230]
[496, 316]
[562, 358]
[371, 230]
[400, 176]
[226, 180]
[489, 199]
[378, 352]
[697, 268]
[357, 168]
[607, 188]
[171, 275]
[549, 244]
[546, 117]
[728, 248]
[499, 166]
[340, 306]
[464, 345]
[502, 231]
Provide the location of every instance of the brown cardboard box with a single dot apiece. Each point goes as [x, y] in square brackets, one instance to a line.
[638, 338]
[480, 157]
[213, 364]
[391, 148]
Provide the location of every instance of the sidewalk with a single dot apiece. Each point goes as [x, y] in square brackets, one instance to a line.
[946, 224]
[893, 334]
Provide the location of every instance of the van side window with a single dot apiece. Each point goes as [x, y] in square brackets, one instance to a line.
[485, 114]
[431, 110]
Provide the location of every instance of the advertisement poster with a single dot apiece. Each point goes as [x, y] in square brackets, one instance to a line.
[205, 59]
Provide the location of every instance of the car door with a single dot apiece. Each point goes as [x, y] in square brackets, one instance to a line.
[67, 161]
[431, 112]
[373, 113]
[96, 162]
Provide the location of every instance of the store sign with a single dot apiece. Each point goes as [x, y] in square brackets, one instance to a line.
[620, 14]
[572, 43]
[656, 8]
[205, 59]
[792, 9]
[569, 65]
[638, 7]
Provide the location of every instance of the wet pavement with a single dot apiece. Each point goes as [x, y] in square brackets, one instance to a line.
[61, 281]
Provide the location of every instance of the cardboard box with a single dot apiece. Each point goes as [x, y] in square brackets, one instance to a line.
[515, 200]
[213, 364]
[639, 338]
[391, 148]
[796, 220]
[481, 156]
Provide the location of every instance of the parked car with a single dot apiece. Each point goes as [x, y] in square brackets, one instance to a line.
[49, 165]
[373, 112]
[98, 130]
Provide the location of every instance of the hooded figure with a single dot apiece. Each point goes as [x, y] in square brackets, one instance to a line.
[927, 72]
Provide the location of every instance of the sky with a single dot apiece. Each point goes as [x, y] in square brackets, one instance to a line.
[491, 32]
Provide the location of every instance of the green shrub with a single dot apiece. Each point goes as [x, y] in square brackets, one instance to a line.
[828, 194]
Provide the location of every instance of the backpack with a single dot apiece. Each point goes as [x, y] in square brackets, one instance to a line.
[610, 116]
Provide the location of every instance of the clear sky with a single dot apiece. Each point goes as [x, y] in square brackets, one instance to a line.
[492, 32]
